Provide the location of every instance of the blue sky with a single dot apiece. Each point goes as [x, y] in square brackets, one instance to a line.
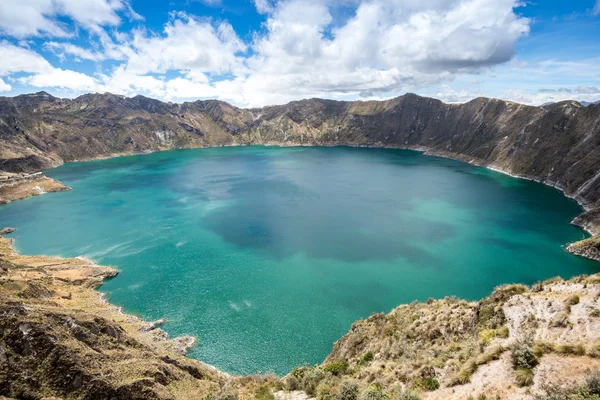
[259, 52]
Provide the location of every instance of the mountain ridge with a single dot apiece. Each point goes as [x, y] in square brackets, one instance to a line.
[557, 144]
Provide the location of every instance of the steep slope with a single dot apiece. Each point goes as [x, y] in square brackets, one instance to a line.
[60, 340]
[518, 343]
[558, 144]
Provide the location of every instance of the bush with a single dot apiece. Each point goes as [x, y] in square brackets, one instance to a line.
[429, 384]
[291, 383]
[487, 335]
[407, 395]
[367, 358]
[263, 393]
[524, 377]
[592, 383]
[310, 381]
[573, 300]
[523, 355]
[336, 368]
[490, 355]
[464, 375]
[589, 390]
[348, 390]
[503, 332]
[372, 393]
[325, 391]
[570, 349]
[595, 350]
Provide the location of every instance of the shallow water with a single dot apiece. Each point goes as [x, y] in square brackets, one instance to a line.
[267, 255]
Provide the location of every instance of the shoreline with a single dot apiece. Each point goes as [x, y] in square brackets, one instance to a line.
[589, 224]
[148, 333]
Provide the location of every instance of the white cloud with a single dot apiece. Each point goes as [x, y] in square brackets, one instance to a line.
[263, 6]
[18, 59]
[62, 49]
[596, 10]
[42, 73]
[187, 44]
[386, 47]
[22, 18]
[4, 87]
[61, 78]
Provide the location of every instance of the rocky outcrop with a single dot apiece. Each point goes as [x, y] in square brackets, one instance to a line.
[6, 231]
[58, 338]
[21, 186]
[589, 248]
[539, 342]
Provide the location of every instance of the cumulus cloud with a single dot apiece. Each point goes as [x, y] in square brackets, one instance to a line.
[56, 77]
[187, 43]
[63, 49]
[384, 48]
[4, 87]
[41, 73]
[42, 17]
[18, 59]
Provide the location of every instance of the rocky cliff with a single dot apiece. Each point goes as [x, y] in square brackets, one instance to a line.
[558, 144]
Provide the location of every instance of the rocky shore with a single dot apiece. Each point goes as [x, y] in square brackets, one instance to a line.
[18, 187]
[60, 339]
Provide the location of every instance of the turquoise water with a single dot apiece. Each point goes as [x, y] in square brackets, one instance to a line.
[267, 255]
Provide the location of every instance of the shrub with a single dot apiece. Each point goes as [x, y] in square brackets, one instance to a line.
[263, 393]
[312, 378]
[291, 383]
[524, 377]
[570, 349]
[591, 385]
[504, 292]
[503, 332]
[464, 375]
[228, 395]
[325, 391]
[367, 358]
[589, 390]
[561, 320]
[407, 395]
[572, 300]
[523, 355]
[348, 390]
[491, 354]
[595, 350]
[372, 393]
[594, 312]
[429, 384]
[487, 335]
[336, 368]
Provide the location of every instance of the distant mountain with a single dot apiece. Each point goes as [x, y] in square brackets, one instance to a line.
[587, 103]
[583, 103]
